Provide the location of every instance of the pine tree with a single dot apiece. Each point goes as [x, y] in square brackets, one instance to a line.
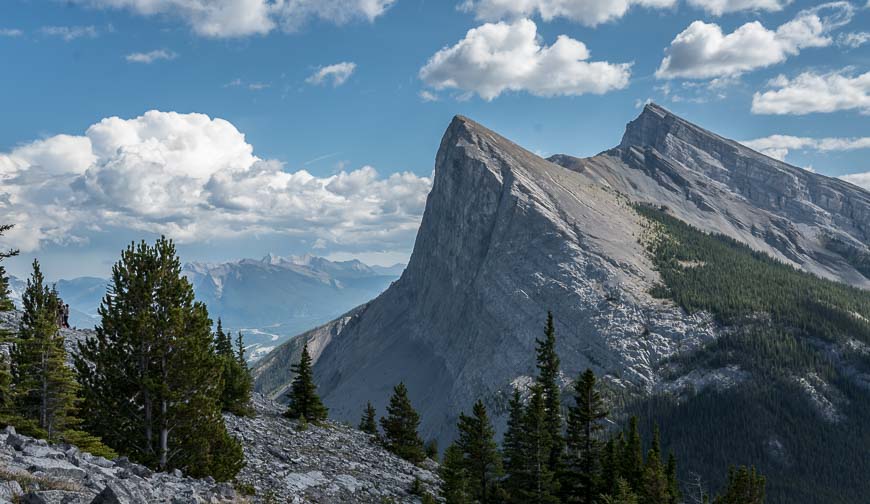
[610, 465]
[582, 480]
[237, 380]
[513, 451]
[674, 494]
[454, 477]
[368, 423]
[44, 388]
[539, 485]
[151, 379]
[622, 494]
[400, 427]
[548, 378]
[5, 391]
[5, 300]
[482, 460]
[632, 456]
[745, 486]
[656, 489]
[304, 401]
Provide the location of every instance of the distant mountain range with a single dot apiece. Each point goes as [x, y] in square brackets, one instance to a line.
[269, 299]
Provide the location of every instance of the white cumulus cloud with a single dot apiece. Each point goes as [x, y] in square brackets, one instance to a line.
[778, 146]
[338, 73]
[587, 12]
[69, 33]
[499, 57]
[720, 7]
[810, 92]
[194, 178]
[854, 40]
[240, 18]
[151, 56]
[703, 51]
[859, 179]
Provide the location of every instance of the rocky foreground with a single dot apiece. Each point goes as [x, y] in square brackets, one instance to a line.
[285, 464]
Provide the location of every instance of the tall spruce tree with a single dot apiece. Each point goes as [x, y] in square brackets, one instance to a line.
[632, 456]
[655, 487]
[5, 299]
[44, 387]
[304, 401]
[237, 381]
[482, 459]
[674, 494]
[6, 404]
[400, 427]
[540, 486]
[514, 451]
[548, 378]
[151, 379]
[581, 480]
[454, 477]
[368, 422]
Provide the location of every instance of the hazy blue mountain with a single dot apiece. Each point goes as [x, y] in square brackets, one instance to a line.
[268, 299]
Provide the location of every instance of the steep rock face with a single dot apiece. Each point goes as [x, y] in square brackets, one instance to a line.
[817, 223]
[505, 237]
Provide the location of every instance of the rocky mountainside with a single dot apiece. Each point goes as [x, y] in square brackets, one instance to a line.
[507, 236]
[817, 223]
[284, 462]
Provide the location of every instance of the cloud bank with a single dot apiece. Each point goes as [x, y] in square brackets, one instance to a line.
[194, 178]
[811, 92]
[241, 18]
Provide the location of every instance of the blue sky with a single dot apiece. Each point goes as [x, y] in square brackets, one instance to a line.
[338, 106]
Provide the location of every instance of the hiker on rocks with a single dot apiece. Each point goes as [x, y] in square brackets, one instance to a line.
[66, 316]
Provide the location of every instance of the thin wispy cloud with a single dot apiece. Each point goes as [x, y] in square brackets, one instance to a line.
[10, 32]
[151, 56]
[69, 33]
[338, 74]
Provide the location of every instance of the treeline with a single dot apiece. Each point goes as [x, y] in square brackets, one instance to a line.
[545, 457]
[783, 326]
[151, 384]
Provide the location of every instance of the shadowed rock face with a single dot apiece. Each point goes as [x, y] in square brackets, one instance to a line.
[507, 236]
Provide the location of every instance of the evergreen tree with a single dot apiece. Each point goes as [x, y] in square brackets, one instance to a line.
[622, 494]
[632, 456]
[582, 481]
[611, 464]
[44, 388]
[539, 486]
[513, 449]
[656, 489]
[745, 486]
[400, 427]
[237, 380]
[304, 401]
[548, 378]
[432, 449]
[482, 460]
[454, 477]
[151, 379]
[674, 494]
[5, 300]
[5, 391]
[368, 423]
